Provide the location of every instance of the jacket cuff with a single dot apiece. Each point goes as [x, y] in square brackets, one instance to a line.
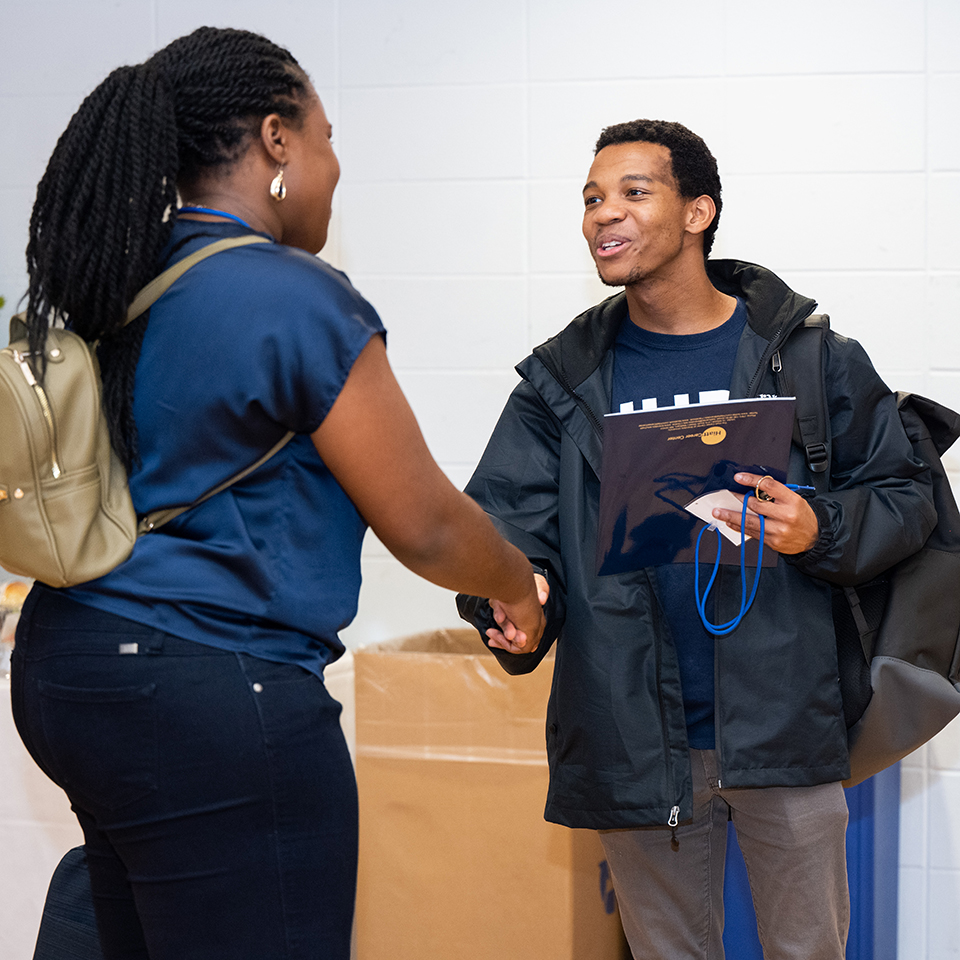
[810, 558]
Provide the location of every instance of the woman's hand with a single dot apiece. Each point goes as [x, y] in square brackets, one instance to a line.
[790, 525]
[513, 617]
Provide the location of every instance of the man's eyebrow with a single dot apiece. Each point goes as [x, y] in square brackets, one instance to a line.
[626, 178]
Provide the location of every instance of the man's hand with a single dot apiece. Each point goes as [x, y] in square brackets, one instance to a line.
[790, 523]
[512, 616]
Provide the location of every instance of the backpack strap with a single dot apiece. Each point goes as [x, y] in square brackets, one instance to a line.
[801, 376]
[158, 286]
[153, 521]
[142, 302]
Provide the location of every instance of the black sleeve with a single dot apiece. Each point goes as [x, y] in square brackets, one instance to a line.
[517, 483]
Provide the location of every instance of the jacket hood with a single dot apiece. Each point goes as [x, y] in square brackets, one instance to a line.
[773, 310]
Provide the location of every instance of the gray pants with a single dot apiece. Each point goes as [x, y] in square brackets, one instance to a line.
[793, 844]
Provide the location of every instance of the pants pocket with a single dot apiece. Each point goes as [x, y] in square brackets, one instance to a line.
[102, 742]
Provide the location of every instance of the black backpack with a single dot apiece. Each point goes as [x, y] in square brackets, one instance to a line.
[898, 636]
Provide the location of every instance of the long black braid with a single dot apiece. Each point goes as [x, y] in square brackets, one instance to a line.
[107, 201]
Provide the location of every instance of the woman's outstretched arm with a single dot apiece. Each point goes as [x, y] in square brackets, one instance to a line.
[372, 444]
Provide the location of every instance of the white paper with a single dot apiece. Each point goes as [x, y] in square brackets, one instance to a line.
[703, 507]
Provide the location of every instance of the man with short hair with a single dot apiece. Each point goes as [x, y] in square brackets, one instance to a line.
[658, 731]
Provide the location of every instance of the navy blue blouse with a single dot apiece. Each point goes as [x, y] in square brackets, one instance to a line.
[247, 345]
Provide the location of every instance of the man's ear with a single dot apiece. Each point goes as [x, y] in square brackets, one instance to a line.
[700, 214]
[273, 137]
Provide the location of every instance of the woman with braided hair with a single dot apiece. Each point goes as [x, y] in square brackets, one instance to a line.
[179, 699]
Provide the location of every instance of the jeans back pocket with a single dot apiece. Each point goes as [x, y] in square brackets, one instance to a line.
[101, 742]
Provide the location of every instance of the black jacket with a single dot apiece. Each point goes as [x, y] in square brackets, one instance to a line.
[616, 734]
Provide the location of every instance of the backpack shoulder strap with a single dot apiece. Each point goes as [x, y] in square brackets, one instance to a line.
[158, 286]
[800, 375]
[142, 302]
[153, 521]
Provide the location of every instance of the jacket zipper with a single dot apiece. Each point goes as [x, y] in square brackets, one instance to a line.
[772, 348]
[581, 403]
[718, 740]
[21, 360]
[674, 817]
[772, 356]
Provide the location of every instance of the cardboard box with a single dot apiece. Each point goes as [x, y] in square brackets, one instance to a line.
[456, 860]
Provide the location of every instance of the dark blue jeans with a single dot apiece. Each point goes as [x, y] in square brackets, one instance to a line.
[215, 790]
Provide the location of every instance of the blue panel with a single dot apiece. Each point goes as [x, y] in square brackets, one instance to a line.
[740, 940]
[873, 839]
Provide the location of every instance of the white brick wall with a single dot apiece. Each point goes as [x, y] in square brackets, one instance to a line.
[464, 132]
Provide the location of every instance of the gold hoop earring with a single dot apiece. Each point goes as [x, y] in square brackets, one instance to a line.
[278, 189]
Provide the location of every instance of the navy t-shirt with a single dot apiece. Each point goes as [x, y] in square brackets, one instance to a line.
[654, 370]
[247, 345]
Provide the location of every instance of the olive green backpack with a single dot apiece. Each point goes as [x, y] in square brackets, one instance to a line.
[65, 510]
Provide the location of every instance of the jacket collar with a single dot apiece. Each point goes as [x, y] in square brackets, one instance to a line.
[773, 310]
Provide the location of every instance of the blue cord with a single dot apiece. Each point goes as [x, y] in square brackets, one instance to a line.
[216, 213]
[722, 629]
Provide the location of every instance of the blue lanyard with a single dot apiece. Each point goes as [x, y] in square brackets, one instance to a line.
[216, 213]
[721, 629]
